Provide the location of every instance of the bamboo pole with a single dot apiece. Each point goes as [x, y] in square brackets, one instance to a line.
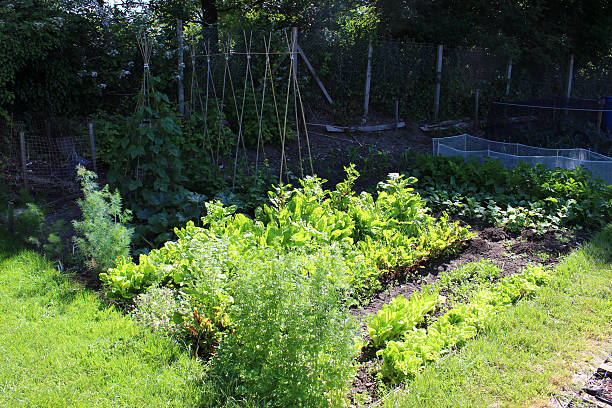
[294, 44]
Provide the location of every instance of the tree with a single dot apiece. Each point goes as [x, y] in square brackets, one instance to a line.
[535, 31]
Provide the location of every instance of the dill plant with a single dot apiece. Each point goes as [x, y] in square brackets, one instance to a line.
[102, 236]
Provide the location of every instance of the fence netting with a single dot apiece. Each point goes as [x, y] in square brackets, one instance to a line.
[512, 154]
[552, 123]
[42, 155]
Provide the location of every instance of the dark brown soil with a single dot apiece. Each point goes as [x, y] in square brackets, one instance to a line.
[379, 152]
[510, 252]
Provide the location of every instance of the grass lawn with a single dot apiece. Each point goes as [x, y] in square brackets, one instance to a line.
[527, 353]
[60, 346]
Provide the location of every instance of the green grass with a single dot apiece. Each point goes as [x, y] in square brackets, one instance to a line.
[61, 346]
[526, 354]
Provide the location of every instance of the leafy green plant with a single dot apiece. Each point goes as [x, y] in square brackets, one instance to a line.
[102, 236]
[156, 309]
[393, 232]
[269, 295]
[515, 199]
[399, 316]
[152, 160]
[461, 283]
[402, 360]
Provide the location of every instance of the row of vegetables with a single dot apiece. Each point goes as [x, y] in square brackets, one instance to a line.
[406, 345]
[511, 198]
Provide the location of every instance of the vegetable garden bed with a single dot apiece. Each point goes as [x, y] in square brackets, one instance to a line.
[275, 297]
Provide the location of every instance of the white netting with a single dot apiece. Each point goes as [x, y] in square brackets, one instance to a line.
[511, 154]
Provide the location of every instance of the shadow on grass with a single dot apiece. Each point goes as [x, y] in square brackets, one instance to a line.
[9, 244]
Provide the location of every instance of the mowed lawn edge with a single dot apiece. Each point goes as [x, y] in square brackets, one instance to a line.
[62, 346]
[527, 354]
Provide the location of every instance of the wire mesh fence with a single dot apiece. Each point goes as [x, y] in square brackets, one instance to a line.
[244, 90]
[552, 123]
[405, 72]
[42, 155]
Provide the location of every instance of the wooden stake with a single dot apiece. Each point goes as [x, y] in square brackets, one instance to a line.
[570, 77]
[438, 81]
[602, 103]
[476, 109]
[92, 145]
[396, 114]
[23, 158]
[366, 103]
[11, 216]
[181, 66]
[508, 76]
[314, 75]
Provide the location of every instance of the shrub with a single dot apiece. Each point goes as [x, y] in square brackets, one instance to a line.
[102, 235]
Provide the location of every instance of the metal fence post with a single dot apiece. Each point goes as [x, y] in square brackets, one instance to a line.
[438, 81]
[181, 66]
[23, 158]
[476, 109]
[508, 77]
[570, 77]
[366, 102]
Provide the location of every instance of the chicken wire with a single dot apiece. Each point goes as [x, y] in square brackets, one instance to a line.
[512, 154]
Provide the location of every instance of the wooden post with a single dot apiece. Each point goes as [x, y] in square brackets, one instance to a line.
[48, 128]
[314, 75]
[602, 102]
[23, 158]
[366, 103]
[181, 66]
[438, 81]
[11, 216]
[92, 145]
[396, 114]
[508, 76]
[570, 77]
[476, 109]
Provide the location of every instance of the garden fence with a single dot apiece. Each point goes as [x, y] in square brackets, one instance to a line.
[42, 155]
